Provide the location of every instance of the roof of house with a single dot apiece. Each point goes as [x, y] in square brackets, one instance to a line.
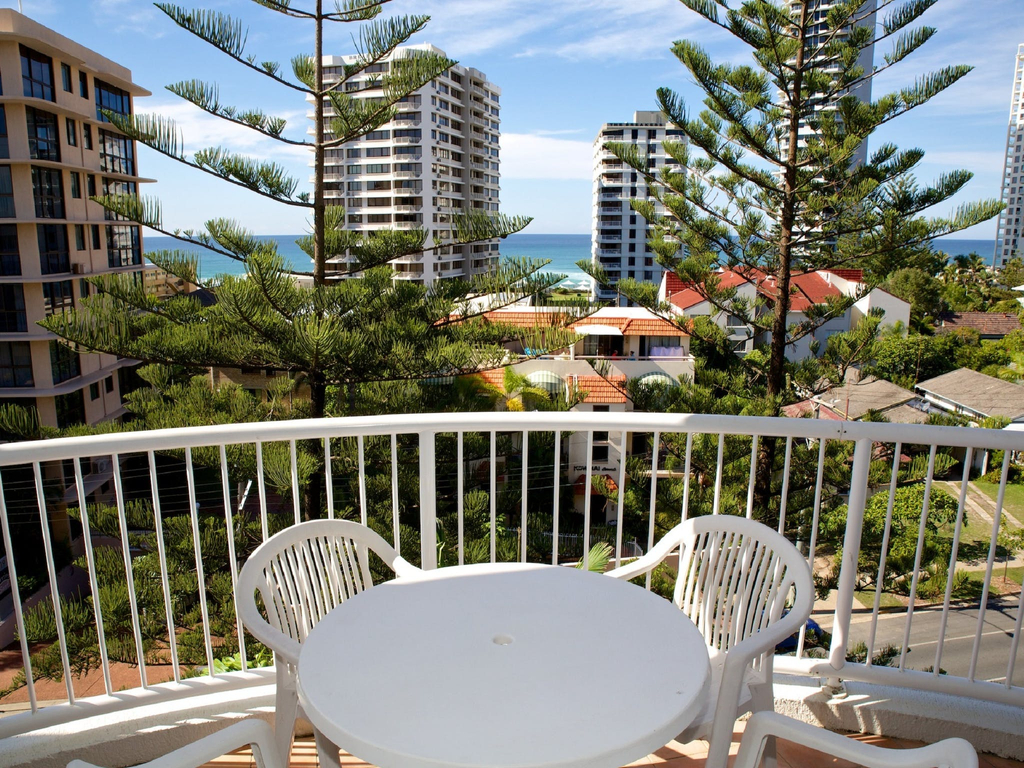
[853, 400]
[985, 323]
[627, 320]
[853, 275]
[978, 392]
[602, 390]
[806, 288]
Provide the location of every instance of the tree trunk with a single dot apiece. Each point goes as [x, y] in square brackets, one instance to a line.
[787, 221]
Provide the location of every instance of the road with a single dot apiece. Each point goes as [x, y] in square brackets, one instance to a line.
[960, 632]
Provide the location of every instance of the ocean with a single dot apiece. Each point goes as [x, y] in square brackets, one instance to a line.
[563, 251]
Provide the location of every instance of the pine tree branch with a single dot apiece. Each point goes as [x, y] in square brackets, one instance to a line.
[206, 97]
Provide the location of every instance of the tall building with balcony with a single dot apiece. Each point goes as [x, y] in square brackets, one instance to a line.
[1008, 234]
[439, 156]
[619, 234]
[56, 151]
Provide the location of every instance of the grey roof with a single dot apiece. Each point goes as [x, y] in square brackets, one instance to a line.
[854, 399]
[977, 392]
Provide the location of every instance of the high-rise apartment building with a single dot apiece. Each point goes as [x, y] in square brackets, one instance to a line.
[618, 233]
[1008, 235]
[862, 90]
[439, 156]
[56, 151]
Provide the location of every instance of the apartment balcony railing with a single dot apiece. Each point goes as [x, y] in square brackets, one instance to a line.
[420, 467]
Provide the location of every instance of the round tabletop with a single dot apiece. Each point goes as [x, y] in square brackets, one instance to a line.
[512, 665]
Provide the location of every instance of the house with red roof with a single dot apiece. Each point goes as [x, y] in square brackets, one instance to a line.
[807, 289]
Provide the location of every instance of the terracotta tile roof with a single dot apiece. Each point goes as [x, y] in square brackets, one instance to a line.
[807, 288]
[688, 296]
[525, 319]
[601, 390]
[654, 326]
[629, 326]
[673, 283]
[495, 377]
[985, 323]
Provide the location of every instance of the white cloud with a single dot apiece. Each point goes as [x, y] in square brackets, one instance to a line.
[533, 156]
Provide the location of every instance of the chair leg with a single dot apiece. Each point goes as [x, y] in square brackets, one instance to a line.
[326, 750]
[762, 699]
[286, 703]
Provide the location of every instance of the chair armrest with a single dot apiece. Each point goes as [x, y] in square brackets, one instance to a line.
[950, 753]
[670, 541]
[404, 569]
[255, 733]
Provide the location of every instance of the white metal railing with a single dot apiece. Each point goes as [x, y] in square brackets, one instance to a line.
[413, 476]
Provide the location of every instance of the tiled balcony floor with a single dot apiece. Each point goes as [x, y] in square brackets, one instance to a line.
[672, 755]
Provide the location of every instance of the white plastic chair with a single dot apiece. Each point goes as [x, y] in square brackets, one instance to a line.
[254, 733]
[767, 726]
[302, 573]
[735, 577]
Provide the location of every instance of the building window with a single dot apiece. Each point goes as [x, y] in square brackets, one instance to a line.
[12, 309]
[112, 187]
[83, 288]
[83, 85]
[15, 364]
[111, 98]
[70, 409]
[86, 135]
[48, 190]
[64, 362]
[123, 247]
[5, 150]
[58, 297]
[117, 153]
[10, 256]
[43, 138]
[94, 391]
[36, 74]
[71, 129]
[90, 186]
[54, 257]
[76, 184]
[6, 193]
[65, 78]
[108, 384]
[80, 237]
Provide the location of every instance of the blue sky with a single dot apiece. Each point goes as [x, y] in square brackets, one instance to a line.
[565, 67]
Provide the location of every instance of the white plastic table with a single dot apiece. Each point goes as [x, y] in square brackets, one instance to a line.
[506, 665]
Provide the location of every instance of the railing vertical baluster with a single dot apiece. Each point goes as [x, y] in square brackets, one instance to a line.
[229, 525]
[620, 512]
[396, 526]
[133, 603]
[161, 553]
[494, 496]
[524, 480]
[197, 546]
[94, 586]
[993, 541]
[362, 480]
[428, 500]
[886, 531]
[296, 500]
[715, 507]
[961, 513]
[784, 499]
[686, 476]
[1015, 642]
[554, 498]
[51, 572]
[922, 529]
[656, 443]
[815, 515]
[851, 553]
[12, 572]
[752, 478]
[461, 502]
[586, 497]
[261, 483]
[329, 478]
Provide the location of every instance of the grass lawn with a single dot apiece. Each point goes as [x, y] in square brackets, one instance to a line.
[1013, 500]
[1016, 575]
[866, 597]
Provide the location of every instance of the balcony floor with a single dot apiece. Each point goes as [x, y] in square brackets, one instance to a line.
[672, 755]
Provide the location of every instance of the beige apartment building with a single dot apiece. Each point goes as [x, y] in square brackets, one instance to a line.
[57, 150]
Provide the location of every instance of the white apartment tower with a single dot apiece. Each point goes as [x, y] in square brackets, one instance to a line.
[1008, 240]
[619, 234]
[438, 156]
